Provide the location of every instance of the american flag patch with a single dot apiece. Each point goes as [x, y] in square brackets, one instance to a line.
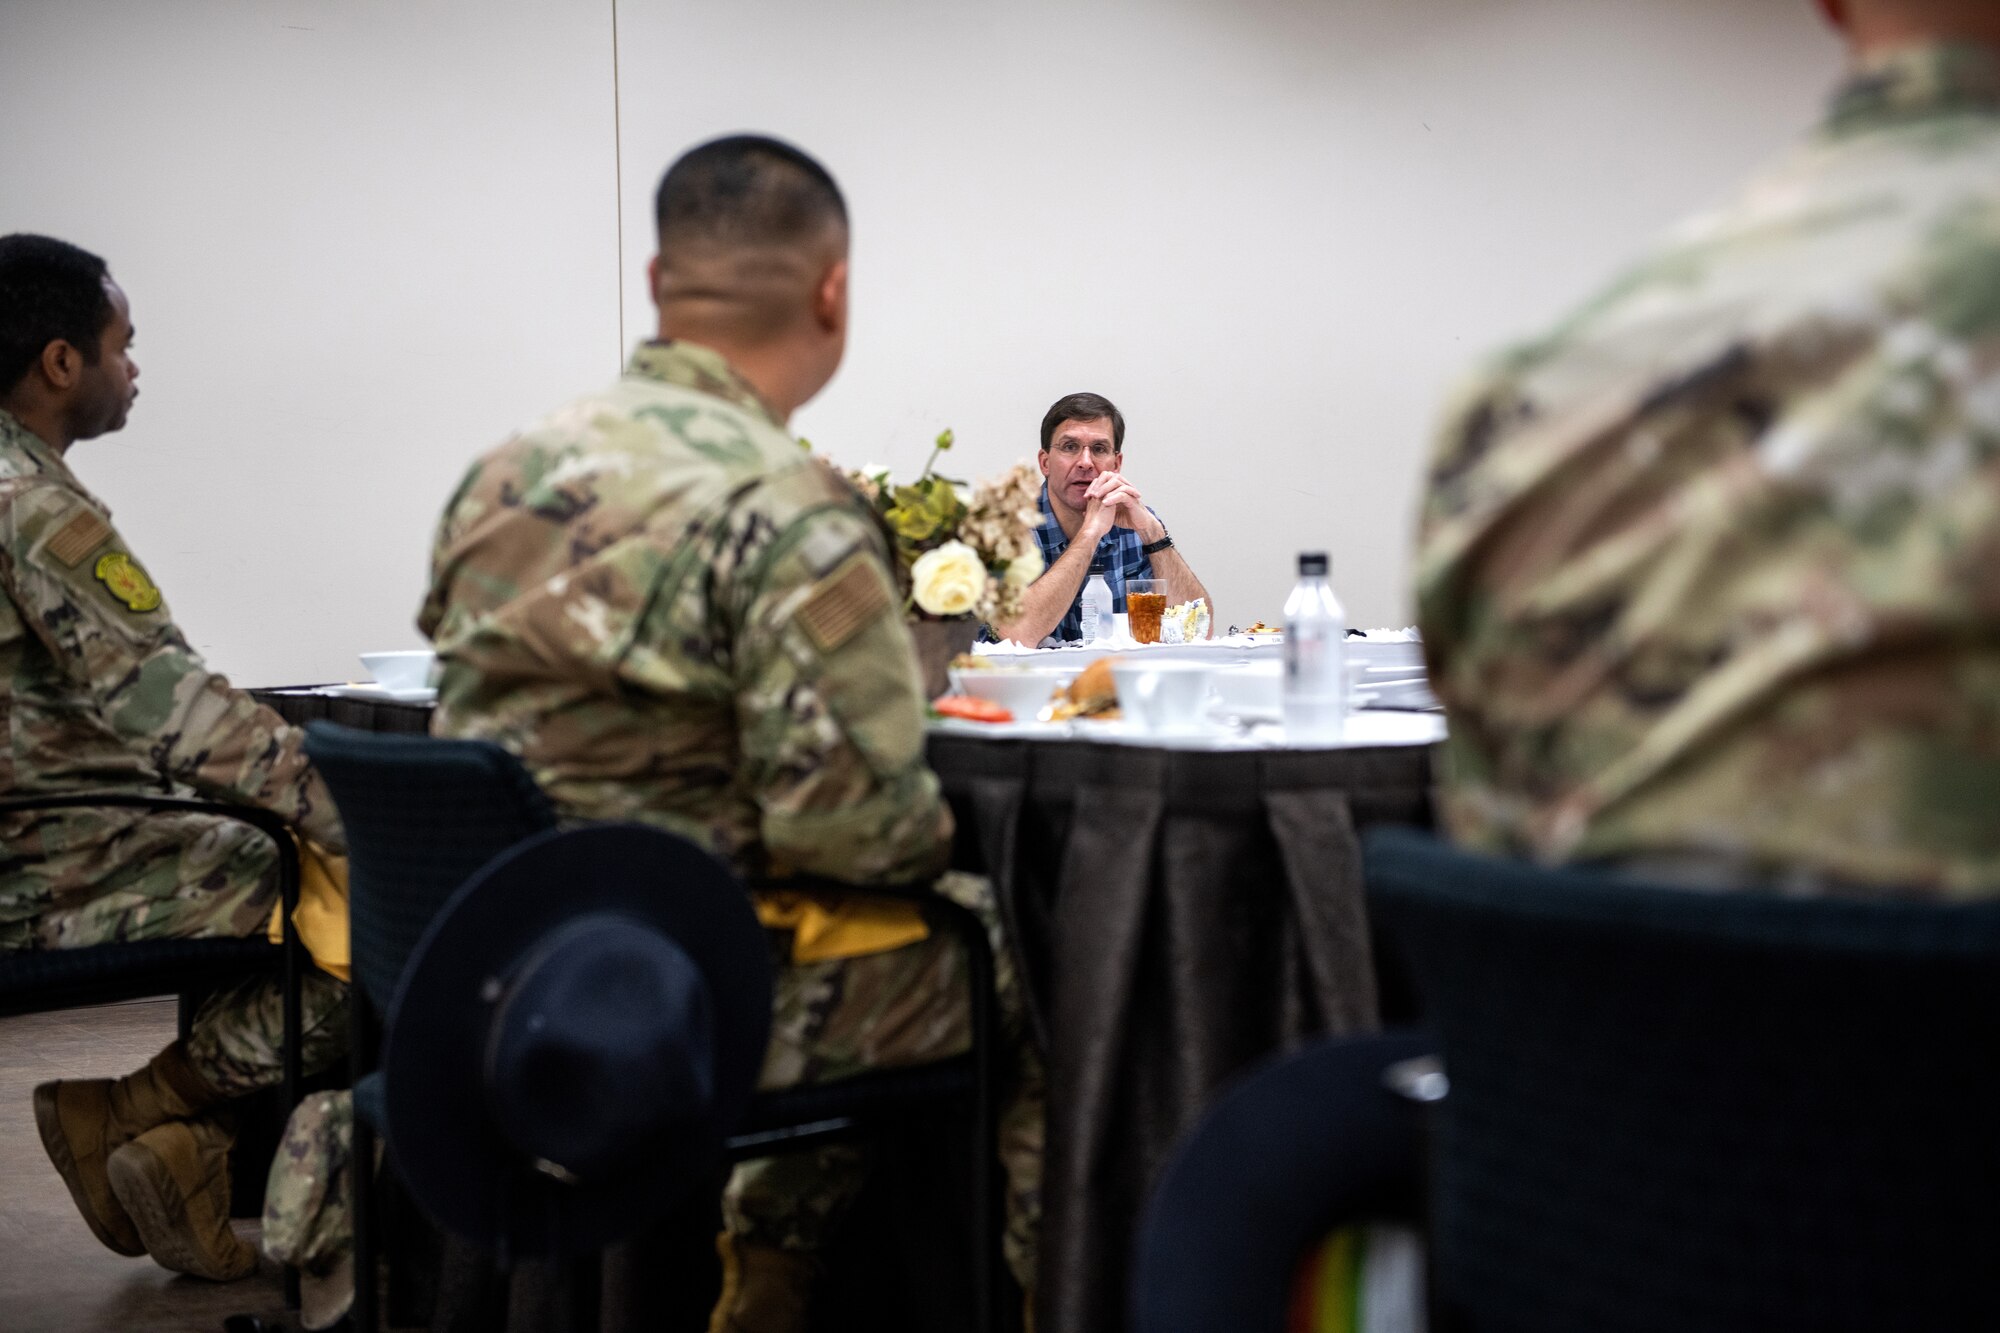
[844, 604]
[78, 538]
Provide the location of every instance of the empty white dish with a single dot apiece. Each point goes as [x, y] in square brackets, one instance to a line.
[1020, 690]
[401, 671]
[1163, 698]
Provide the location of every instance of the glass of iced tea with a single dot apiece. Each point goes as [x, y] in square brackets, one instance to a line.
[1145, 603]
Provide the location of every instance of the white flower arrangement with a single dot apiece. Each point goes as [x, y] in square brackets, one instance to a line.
[962, 551]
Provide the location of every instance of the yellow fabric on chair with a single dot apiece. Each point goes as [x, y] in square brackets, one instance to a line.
[821, 930]
[841, 928]
[321, 917]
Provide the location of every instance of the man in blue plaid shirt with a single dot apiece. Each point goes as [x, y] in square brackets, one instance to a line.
[1093, 522]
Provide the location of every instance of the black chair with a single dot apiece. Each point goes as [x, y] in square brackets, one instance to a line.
[1301, 1145]
[876, 1102]
[422, 815]
[1671, 1109]
[46, 980]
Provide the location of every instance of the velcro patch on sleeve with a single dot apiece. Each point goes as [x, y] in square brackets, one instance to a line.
[78, 538]
[845, 604]
[825, 547]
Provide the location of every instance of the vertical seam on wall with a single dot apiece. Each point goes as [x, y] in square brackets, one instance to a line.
[618, 188]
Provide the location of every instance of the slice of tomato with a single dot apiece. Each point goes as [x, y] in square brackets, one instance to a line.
[971, 709]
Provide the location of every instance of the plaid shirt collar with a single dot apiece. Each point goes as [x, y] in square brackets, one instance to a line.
[1120, 555]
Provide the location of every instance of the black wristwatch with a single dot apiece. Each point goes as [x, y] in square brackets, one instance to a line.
[1154, 548]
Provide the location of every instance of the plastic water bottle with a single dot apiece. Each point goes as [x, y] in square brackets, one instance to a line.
[1097, 613]
[1315, 697]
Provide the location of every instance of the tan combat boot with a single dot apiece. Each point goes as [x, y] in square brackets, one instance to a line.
[764, 1289]
[84, 1121]
[174, 1183]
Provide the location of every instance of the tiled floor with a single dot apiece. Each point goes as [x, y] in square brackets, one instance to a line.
[54, 1276]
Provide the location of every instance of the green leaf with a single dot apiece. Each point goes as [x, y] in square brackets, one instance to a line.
[923, 510]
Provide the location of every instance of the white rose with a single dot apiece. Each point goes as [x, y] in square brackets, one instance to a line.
[1025, 568]
[947, 581]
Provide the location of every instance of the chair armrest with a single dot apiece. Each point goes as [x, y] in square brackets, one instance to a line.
[271, 825]
[841, 888]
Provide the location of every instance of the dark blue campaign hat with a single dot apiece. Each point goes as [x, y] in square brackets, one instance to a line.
[574, 1036]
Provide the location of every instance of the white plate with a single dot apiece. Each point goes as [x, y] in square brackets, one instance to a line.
[1377, 653]
[1403, 694]
[1028, 730]
[422, 694]
[1363, 730]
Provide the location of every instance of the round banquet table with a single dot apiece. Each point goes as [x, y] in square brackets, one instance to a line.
[1177, 915]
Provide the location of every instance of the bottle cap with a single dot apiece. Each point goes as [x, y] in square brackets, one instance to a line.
[1312, 564]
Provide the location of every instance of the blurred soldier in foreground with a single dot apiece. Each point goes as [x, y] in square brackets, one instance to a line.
[100, 692]
[1710, 573]
[674, 614]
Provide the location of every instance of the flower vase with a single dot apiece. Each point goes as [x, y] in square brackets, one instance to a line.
[938, 641]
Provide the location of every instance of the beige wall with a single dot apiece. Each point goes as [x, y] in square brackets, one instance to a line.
[363, 238]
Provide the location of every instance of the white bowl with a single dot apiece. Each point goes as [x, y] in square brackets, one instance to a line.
[1166, 698]
[1020, 690]
[400, 671]
[1255, 689]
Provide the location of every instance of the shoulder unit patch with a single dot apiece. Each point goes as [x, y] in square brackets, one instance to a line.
[121, 574]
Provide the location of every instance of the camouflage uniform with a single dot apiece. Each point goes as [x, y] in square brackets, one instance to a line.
[310, 1196]
[1709, 575]
[103, 694]
[674, 614]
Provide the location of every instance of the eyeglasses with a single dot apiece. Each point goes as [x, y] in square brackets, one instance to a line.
[1099, 452]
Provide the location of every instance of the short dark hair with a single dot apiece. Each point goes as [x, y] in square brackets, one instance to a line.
[49, 290]
[747, 189]
[1084, 407]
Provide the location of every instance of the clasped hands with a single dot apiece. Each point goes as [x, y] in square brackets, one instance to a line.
[1113, 501]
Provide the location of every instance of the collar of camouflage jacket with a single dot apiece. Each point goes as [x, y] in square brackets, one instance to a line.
[13, 435]
[1914, 82]
[701, 369]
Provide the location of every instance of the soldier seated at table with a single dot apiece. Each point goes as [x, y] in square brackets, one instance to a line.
[1708, 574]
[100, 692]
[1093, 521]
[674, 614]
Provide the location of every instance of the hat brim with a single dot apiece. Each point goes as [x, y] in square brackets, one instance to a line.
[442, 1139]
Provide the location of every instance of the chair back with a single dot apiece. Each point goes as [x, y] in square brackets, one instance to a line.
[1677, 1109]
[421, 815]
